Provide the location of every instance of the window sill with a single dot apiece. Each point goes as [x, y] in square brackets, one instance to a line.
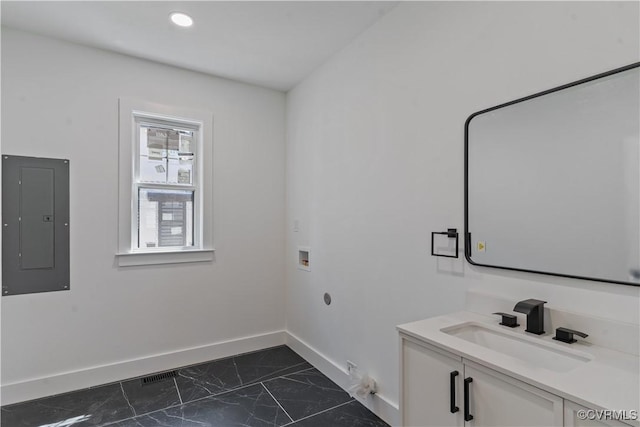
[129, 259]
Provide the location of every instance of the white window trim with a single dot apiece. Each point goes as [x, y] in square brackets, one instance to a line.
[126, 255]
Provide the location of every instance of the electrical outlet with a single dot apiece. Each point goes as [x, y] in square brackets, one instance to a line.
[351, 367]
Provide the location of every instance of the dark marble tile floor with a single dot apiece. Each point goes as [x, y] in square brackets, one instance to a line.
[306, 393]
[272, 387]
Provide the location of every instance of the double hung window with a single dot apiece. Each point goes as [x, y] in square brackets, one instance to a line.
[165, 201]
[165, 188]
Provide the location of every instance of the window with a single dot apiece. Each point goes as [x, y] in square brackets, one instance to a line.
[165, 176]
[165, 187]
[165, 218]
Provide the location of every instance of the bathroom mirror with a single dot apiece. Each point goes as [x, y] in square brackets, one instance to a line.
[552, 181]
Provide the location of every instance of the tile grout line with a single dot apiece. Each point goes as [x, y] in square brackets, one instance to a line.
[189, 402]
[127, 399]
[178, 390]
[208, 397]
[235, 365]
[276, 400]
[283, 369]
[321, 412]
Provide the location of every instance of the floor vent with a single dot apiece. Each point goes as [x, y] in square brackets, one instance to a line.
[156, 378]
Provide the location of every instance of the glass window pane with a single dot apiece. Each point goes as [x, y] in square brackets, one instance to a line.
[181, 166]
[153, 155]
[165, 218]
[166, 155]
[186, 144]
[153, 142]
[154, 171]
[180, 172]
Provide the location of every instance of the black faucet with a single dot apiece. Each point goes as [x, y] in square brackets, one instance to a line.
[534, 309]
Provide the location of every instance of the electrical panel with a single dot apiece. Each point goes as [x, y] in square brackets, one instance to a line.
[35, 225]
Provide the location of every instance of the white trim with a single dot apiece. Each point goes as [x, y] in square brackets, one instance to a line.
[129, 259]
[379, 404]
[89, 377]
[130, 110]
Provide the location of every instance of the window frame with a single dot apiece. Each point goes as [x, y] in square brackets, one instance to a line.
[145, 119]
[132, 114]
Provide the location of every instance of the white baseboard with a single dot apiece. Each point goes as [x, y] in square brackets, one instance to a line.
[89, 377]
[104, 374]
[377, 403]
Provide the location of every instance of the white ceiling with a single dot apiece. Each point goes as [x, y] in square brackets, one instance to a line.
[272, 44]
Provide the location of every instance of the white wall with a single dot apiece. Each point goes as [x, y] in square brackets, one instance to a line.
[375, 164]
[61, 100]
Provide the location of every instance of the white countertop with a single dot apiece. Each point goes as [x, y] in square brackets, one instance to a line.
[610, 380]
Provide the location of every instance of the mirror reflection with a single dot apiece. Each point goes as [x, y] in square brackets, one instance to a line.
[553, 181]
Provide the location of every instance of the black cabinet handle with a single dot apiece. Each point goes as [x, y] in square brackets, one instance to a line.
[452, 378]
[467, 415]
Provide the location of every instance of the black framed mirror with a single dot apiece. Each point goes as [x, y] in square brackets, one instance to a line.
[552, 181]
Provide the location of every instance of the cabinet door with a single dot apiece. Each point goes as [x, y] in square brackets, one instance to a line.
[498, 400]
[577, 416]
[427, 376]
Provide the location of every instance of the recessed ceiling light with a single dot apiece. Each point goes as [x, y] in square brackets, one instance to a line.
[181, 19]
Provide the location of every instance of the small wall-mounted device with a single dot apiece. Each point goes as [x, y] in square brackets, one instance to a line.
[303, 258]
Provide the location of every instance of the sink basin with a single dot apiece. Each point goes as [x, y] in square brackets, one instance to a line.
[533, 351]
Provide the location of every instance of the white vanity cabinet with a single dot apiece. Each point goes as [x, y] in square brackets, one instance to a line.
[574, 416]
[462, 369]
[433, 393]
[498, 400]
[428, 375]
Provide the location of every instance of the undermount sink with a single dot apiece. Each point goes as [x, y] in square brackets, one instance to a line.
[534, 351]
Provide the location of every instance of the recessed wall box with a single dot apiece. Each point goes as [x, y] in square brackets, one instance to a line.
[303, 258]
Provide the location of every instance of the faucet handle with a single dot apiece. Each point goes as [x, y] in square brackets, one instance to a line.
[509, 320]
[566, 335]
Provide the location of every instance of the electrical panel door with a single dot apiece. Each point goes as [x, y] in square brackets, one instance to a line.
[35, 225]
